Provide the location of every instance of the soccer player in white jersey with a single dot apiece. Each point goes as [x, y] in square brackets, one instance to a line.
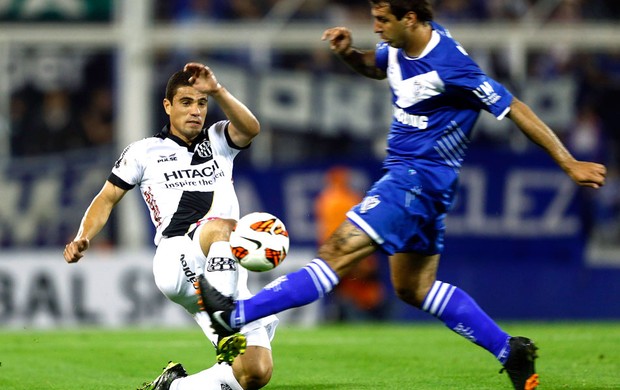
[437, 95]
[185, 177]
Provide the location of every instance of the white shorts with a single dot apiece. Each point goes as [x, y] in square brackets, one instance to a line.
[177, 263]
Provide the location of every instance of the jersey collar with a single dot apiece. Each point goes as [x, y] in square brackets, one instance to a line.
[434, 41]
[165, 133]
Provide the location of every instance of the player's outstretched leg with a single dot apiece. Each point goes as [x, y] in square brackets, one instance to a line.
[218, 306]
[295, 289]
[520, 364]
[171, 372]
[230, 343]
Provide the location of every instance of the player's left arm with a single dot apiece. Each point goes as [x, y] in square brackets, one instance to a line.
[584, 173]
[243, 124]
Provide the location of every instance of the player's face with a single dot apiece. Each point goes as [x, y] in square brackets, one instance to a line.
[187, 113]
[388, 27]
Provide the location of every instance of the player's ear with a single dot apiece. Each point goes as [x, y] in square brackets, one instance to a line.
[410, 19]
[167, 103]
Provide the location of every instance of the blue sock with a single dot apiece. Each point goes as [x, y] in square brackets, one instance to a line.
[463, 315]
[299, 288]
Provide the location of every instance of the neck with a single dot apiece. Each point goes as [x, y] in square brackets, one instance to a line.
[187, 138]
[420, 37]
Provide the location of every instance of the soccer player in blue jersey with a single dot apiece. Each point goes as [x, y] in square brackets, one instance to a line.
[437, 95]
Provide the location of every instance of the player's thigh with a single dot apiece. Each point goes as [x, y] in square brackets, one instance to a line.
[176, 267]
[346, 247]
[413, 275]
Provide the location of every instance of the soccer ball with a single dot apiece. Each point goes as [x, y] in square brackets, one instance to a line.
[259, 242]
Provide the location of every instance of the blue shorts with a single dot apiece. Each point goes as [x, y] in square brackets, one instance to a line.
[401, 214]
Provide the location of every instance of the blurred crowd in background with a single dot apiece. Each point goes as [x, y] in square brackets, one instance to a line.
[81, 114]
[447, 10]
[61, 135]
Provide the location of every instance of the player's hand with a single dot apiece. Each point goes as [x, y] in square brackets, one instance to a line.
[587, 174]
[74, 250]
[340, 39]
[202, 78]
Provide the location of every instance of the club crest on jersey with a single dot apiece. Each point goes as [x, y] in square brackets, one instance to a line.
[204, 149]
[369, 202]
[416, 88]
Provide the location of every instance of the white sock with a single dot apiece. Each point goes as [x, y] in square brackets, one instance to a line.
[221, 268]
[210, 379]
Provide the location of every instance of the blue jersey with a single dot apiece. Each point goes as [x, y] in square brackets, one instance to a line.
[436, 100]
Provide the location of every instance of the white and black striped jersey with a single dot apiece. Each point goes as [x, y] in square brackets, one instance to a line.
[181, 183]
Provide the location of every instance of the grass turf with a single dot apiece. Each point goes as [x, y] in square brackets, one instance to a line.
[381, 356]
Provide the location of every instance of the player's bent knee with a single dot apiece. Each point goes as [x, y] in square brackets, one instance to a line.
[409, 296]
[218, 229]
[253, 370]
[254, 377]
[256, 380]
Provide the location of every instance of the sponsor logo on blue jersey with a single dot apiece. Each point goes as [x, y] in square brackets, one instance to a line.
[487, 94]
[418, 121]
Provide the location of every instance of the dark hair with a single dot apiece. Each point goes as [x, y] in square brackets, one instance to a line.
[399, 8]
[176, 81]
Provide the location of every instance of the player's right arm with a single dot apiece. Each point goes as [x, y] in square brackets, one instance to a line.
[361, 61]
[243, 124]
[95, 218]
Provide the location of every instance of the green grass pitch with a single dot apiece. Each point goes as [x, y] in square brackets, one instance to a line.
[380, 356]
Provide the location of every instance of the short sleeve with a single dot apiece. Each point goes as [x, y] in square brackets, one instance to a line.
[128, 168]
[480, 90]
[381, 56]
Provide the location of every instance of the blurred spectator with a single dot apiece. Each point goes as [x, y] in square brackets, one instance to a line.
[507, 9]
[554, 62]
[601, 9]
[607, 212]
[599, 83]
[361, 294]
[200, 11]
[346, 11]
[312, 10]
[66, 112]
[247, 10]
[334, 201]
[460, 10]
[97, 118]
[567, 11]
[188, 11]
[57, 123]
[43, 124]
[585, 138]
[19, 123]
